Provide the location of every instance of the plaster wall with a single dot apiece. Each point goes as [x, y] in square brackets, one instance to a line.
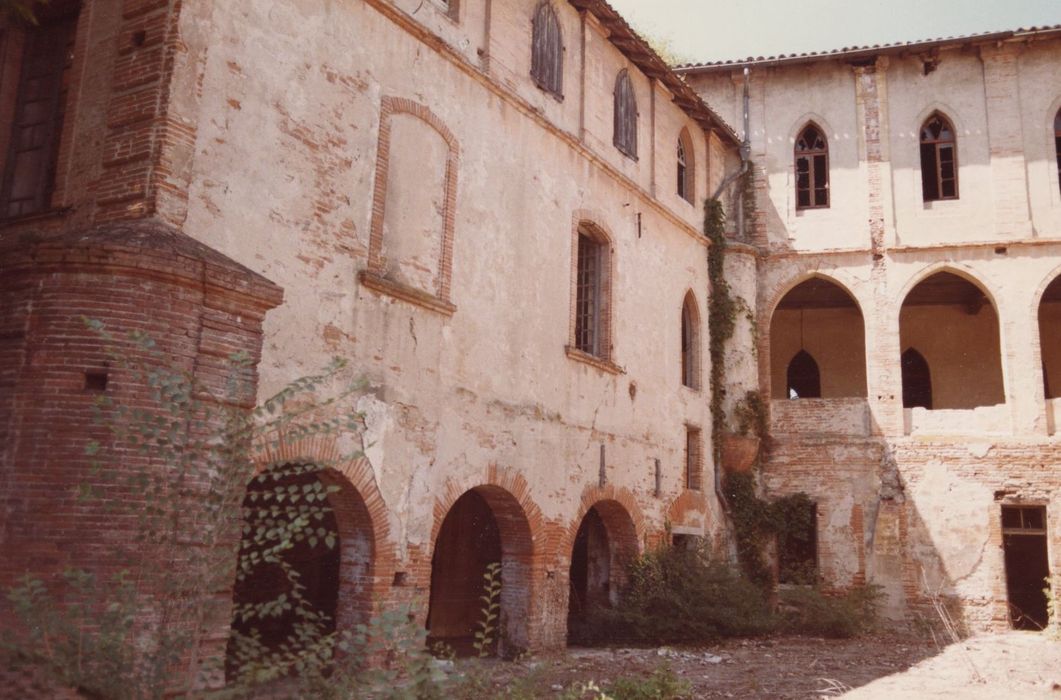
[833, 337]
[286, 163]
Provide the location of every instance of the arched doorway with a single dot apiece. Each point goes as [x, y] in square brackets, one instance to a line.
[1050, 339]
[604, 545]
[954, 327]
[917, 380]
[817, 343]
[485, 526]
[304, 566]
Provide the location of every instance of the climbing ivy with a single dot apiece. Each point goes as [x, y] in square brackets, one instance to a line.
[722, 309]
[755, 521]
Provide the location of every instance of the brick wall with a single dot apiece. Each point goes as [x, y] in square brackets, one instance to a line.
[197, 306]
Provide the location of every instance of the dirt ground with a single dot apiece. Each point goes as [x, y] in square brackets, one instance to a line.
[1013, 665]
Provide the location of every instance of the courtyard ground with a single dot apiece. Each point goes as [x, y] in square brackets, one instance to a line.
[1011, 665]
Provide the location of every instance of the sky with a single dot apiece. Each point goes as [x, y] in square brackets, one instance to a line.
[711, 30]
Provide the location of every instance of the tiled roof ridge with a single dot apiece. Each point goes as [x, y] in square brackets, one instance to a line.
[915, 44]
[635, 48]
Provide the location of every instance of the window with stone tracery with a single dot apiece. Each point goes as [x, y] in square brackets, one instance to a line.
[812, 169]
[939, 159]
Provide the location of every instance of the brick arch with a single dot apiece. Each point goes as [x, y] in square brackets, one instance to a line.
[389, 106]
[521, 526]
[690, 503]
[620, 513]
[358, 504]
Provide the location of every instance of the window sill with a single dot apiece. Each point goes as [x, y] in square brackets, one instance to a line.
[404, 292]
[45, 215]
[559, 97]
[598, 362]
[942, 204]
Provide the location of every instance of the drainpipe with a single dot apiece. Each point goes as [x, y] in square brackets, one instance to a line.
[745, 164]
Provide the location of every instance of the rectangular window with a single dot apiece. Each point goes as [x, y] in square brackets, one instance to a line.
[30, 168]
[694, 465]
[588, 296]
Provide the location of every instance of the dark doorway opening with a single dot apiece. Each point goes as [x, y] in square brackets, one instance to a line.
[804, 378]
[917, 380]
[590, 578]
[797, 546]
[468, 542]
[304, 573]
[1027, 566]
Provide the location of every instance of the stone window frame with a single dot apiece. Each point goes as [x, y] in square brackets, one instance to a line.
[938, 144]
[373, 277]
[811, 154]
[584, 223]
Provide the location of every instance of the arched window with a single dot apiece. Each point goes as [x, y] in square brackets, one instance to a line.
[917, 380]
[812, 169]
[690, 343]
[939, 159]
[625, 117]
[685, 166]
[1057, 144]
[547, 51]
[804, 379]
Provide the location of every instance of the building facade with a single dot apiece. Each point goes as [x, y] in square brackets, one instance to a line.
[906, 276]
[493, 209]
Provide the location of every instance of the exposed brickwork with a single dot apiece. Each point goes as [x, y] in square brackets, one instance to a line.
[197, 306]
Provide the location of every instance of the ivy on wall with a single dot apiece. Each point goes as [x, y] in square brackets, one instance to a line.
[755, 521]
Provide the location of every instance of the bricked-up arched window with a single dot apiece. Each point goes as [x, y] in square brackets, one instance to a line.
[591, 302]
[625, 117]
[685, 166]
[939, 159]
[804, 377]
[690, 343]
[812, 169]
[1057, 144]
[40, 105]
[547, 51]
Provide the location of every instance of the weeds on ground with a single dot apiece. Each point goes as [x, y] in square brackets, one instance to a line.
[679, 595]
[806, 610]
[663, 684]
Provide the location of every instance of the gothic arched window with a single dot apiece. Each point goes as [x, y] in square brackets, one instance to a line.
[812, 169]
[939, 159]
